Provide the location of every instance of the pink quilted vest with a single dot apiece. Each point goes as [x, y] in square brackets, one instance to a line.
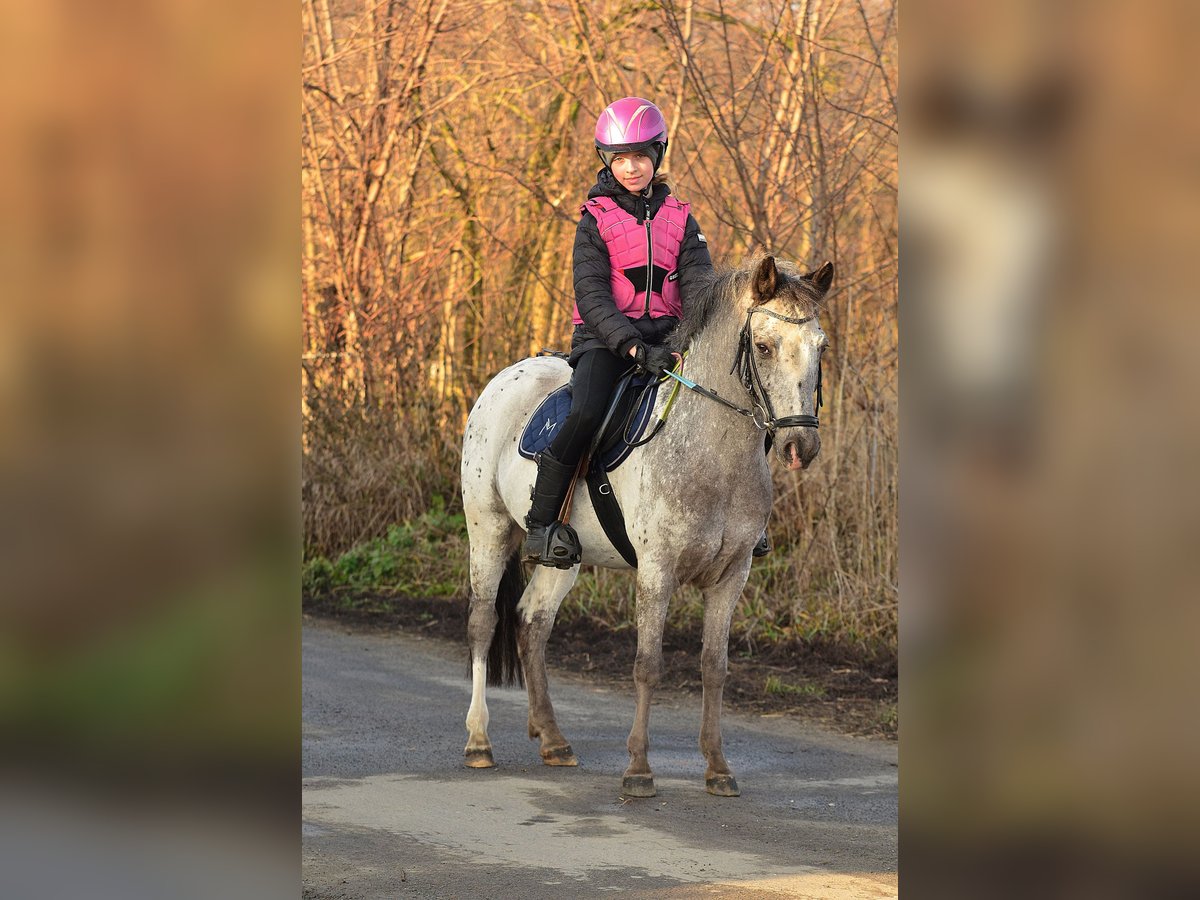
[638, 251]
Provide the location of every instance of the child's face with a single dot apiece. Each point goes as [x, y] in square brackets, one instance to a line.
[633, 170]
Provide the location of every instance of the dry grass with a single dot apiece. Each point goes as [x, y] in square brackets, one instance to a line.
[366, 469]
[838, 522]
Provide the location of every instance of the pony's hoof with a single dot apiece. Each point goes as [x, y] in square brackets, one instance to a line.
[638, 786]
[478, 759]
[560, 756]
[722, 786]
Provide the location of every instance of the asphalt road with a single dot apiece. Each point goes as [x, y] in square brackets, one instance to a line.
[390, 811]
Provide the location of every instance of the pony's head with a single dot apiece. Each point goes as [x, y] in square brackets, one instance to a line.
[785, 346]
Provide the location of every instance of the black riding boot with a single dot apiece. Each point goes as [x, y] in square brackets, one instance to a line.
[547, 542]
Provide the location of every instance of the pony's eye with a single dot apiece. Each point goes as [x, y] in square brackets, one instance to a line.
[763, 349]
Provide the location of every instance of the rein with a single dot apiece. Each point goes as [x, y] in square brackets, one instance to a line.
[762, 412]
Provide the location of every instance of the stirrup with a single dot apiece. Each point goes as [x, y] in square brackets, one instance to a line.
[555, 545]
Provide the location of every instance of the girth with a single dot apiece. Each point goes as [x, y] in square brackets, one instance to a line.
[604, 501]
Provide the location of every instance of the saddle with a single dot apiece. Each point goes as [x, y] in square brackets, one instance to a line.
[625, 424]
[628, 415]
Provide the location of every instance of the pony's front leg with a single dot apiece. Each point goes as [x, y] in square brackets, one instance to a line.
[719, 603]
[538, 608]
[654, 591]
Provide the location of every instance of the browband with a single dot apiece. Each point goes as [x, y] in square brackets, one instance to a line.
[774, 315]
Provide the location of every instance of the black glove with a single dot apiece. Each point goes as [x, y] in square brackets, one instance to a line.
[654, 360]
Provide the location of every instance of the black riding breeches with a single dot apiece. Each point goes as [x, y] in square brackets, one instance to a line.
[596, 374]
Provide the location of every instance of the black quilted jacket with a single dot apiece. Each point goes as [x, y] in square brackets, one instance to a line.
[605, 325]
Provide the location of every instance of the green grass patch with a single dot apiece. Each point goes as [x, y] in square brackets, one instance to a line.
[776, 685]
[425, 557]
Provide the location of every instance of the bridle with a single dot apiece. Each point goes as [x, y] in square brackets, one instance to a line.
[762, 412]
[747, 370]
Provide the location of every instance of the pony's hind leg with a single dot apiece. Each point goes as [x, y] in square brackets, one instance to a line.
[497, 581]
[538, 608]
[719, 602]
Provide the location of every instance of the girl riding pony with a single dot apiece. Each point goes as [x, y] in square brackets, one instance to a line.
[638, 253]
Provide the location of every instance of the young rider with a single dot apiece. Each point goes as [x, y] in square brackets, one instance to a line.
[638, 252]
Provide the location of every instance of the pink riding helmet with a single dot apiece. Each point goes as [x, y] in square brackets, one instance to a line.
[631, 123]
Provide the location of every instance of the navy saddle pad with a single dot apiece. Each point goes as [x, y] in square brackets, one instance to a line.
[548, 418]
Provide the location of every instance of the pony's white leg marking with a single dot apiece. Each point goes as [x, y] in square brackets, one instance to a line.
[538, 607]
[489, 552]
[719, 603]
[478, 747]
[654, 589]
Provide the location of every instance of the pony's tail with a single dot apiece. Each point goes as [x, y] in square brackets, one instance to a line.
[504, 663]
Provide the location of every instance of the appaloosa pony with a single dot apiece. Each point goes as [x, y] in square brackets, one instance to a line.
[695, 500]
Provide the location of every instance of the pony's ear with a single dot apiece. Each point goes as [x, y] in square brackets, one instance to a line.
[766, 280]
[822, 278]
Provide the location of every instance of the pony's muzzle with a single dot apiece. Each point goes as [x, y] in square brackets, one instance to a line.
[800, 448]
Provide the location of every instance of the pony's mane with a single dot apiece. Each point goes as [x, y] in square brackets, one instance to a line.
[720, 293]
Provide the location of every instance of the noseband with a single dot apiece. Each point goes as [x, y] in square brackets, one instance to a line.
[747, 369]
